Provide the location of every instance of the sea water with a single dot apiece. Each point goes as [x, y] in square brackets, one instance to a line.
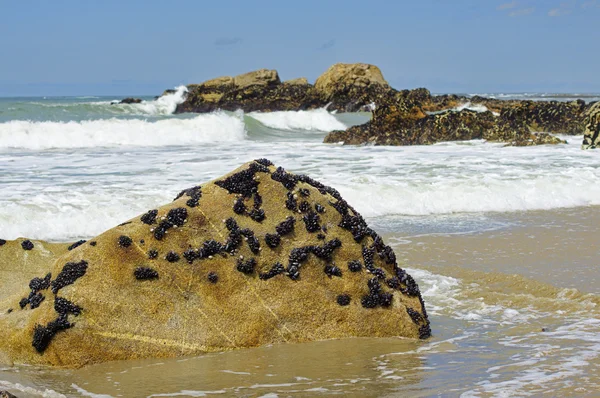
[501, 240]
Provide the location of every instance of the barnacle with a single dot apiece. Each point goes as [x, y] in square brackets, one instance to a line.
[145, 273]
[27, 245]
[172, 257]
[246, 267]
[311, 221]
[286, 227]
[76, 244]
[125, 241]
[275, 270]
[212, 277]
[69, 274]
[343, 299]
[150, 217]
[332, 270]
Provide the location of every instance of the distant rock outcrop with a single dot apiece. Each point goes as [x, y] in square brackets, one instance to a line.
[343, 87]
[591, 137]
[130, 100]
[258, 256]
[362, 87]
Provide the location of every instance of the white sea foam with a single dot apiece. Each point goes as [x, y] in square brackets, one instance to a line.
[164, 105]
[472, 107]
[313, 120]
[30, 391]
[212, 127]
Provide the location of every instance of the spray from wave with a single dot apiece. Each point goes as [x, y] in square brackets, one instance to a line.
[164, 105]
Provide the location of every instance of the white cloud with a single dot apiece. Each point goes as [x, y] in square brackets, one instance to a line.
[590, 4]
[522, 12]
[558, 12]
[507, 6]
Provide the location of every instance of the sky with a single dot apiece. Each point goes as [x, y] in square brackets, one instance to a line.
[141, 47]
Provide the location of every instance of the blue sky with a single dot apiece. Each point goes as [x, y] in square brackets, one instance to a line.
[136, 47]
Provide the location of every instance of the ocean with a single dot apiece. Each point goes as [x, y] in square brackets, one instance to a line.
[501, 241]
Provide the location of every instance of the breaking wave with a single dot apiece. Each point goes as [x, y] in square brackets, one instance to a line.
[314, 120]
[212, 127]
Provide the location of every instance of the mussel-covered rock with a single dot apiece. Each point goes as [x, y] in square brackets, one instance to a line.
[184, 280]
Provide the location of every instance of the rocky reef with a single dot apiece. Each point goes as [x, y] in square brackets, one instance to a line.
[343, 87]
[407, 117]
[258, 256]
[591, 137]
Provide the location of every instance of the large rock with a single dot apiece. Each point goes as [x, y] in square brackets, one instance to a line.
[591, 137]
[512, 128]
[260, 90]
[259, 256]
[343, 87]
[340, 78]
[130, 100]
[351, 87]
[402, 121]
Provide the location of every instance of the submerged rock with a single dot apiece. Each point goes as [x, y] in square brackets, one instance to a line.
[259, 256]
[130, 100]
[406, 119]
[402, 121]
[591, 137]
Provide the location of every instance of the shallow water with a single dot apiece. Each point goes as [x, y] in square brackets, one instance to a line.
[500, 240]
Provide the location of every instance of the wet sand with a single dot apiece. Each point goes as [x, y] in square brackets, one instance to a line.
[513, 309]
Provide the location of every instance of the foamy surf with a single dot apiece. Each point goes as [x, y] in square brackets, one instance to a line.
[213, 127]
[164, 105]
[313, 120]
